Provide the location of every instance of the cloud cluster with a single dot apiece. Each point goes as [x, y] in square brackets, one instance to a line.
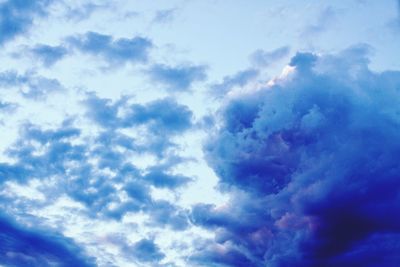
[97, 170]
[312, 163]
[161, 118]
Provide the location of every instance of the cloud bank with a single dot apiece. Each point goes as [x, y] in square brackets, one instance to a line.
[312, 165]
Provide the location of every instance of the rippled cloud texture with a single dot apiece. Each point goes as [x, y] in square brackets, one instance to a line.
[173, 134]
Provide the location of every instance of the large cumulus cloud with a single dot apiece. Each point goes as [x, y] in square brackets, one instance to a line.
[312, 161]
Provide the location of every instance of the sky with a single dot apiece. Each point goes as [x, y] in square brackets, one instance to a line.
[198, 133]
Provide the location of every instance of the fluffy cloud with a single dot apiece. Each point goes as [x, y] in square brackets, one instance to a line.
[99, 172]
[16, 16]
[47, 54]
[30, 84]
[312, 162]
[114, 51]
[146, 250]
[161, 118]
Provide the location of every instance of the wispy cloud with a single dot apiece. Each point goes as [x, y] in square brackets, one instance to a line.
[177, 78]
[322, 23]
[165, 15]
[266, 58]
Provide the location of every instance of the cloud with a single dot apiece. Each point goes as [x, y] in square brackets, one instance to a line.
[146, 250]
[116, 186]
[16, 17]
[103, 111]
[47, 54]
[241, 78]
[164, 16]
[159, 178]
[163, 213]
[311, 163]
[30, 84]
[324, 20]
[7, 106]
[114, 51]
[84, 11]
[177, 78]
[263, 58]
[394, 23]
[22, 246]
[161, 118]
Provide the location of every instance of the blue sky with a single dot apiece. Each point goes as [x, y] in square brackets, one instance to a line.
[199, 133]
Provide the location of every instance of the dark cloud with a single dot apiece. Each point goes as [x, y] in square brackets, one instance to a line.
[312, 163]
[47, 54]
[30, 84]
[177, 78]
[16, 16]
[114, 51]
[22, 246]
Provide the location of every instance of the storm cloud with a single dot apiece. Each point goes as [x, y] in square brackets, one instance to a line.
[311, 162]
